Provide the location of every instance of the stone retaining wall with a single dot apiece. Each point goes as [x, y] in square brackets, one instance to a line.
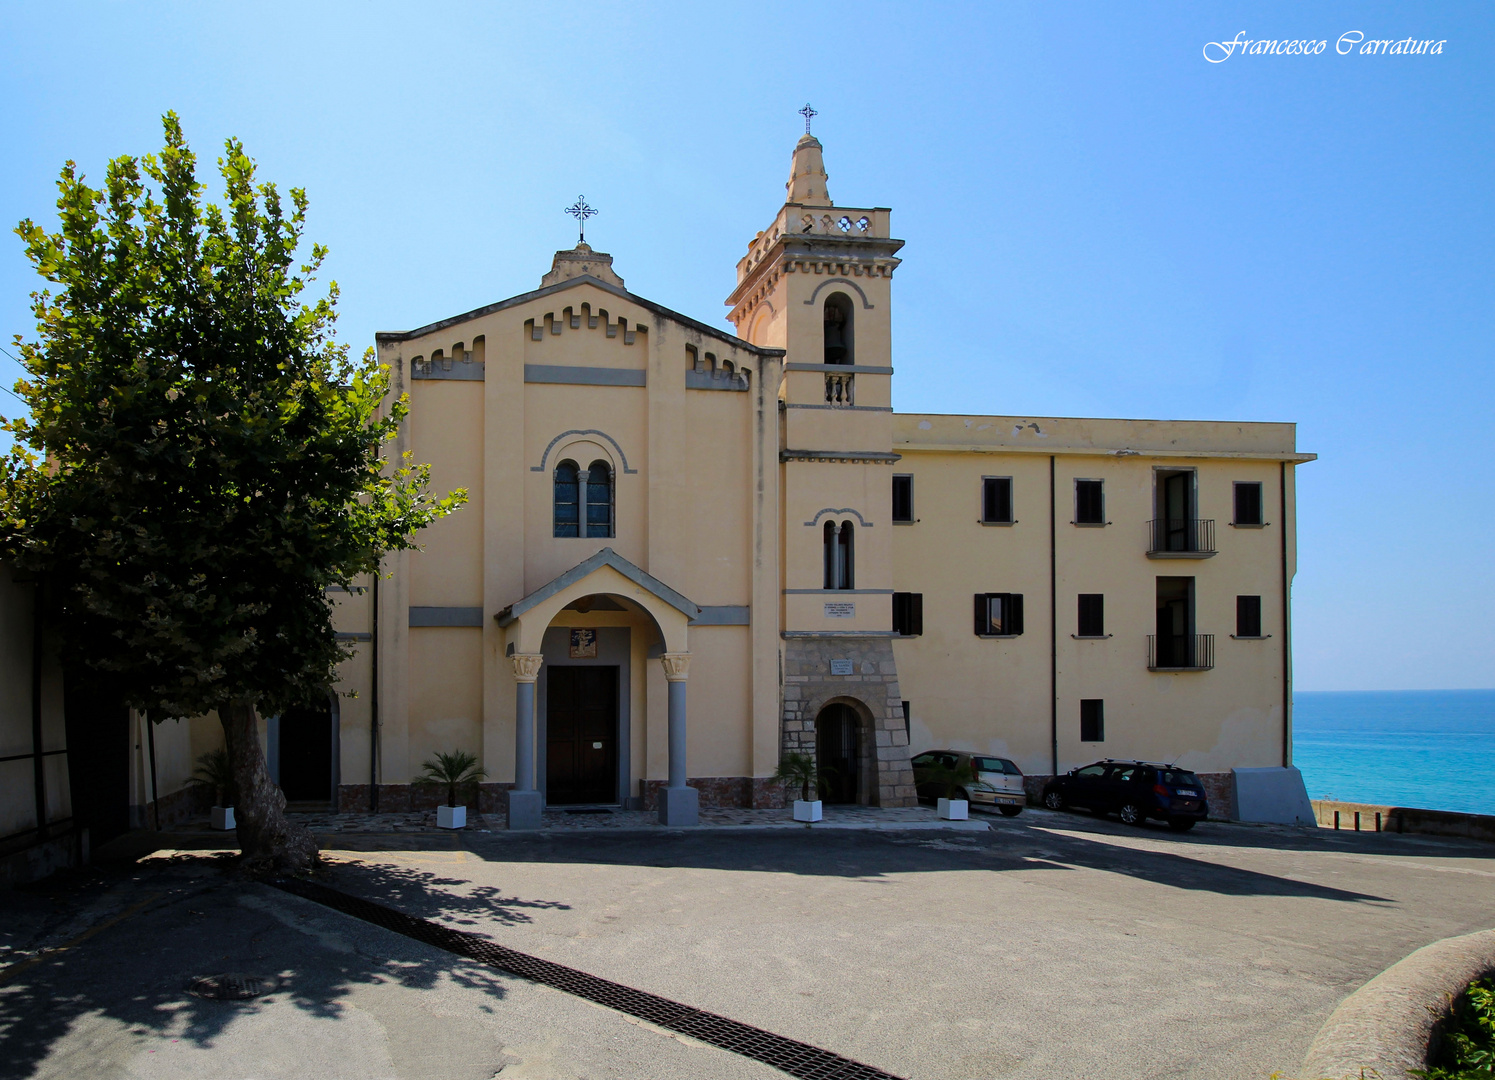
[1404, 819]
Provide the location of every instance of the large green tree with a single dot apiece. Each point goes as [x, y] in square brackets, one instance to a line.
[202, 459]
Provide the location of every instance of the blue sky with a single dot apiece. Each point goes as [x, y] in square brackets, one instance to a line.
[1099, 222]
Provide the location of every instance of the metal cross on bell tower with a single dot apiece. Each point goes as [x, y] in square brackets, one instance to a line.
[581, 211]
[808, 113]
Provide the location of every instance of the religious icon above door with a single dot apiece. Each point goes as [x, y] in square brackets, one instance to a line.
[583, 644]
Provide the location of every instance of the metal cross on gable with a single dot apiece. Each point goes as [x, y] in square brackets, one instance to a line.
[581, 211]
[807, 113]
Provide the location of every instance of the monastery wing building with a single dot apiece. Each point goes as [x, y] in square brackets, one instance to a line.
[687, 553]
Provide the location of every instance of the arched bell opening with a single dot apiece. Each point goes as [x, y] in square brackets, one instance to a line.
[838, 329]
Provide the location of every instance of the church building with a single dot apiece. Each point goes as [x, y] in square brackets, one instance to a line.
[688, 552]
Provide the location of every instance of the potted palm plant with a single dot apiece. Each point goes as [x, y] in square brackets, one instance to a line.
[215, 773]
[798, 770]
[457, 771]
[951, 779]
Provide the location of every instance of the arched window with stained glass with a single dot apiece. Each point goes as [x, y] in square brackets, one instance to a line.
[567, 499]
[599, 499]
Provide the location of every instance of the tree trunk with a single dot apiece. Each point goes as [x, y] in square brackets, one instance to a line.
[270, 842]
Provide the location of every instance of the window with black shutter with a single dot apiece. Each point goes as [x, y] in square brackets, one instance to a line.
[1092, 621]
[1248, 503]
[903, 498]
[999, 614]
[1090, 502]
[996, 500]
[1248, 616]
[908, 613]
[1092, 720]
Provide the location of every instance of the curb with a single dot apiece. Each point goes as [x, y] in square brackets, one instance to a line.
[1386, 1024]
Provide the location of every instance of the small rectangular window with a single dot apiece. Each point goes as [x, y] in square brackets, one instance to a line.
[999, 614]
[1090, 502]
[996, 500]
[1092, 720]
[1248, 616]
[908, 613]
[908, 724]
[1092, 615]
[903, 498]
[1248, 503]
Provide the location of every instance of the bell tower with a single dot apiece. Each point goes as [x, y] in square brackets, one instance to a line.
[818, 284]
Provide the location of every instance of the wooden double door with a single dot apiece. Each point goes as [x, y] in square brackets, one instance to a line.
[581, 735]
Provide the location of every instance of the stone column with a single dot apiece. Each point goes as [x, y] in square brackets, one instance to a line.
[525, 801]
[678, 804]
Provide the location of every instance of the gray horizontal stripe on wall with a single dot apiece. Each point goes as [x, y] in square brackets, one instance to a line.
[464, 370]
[446, 616]
[840, 633]
[838, 592]
[352, 635]
[841, 408]
[723, 615]
[842, 369]
[584, 376]
[704, 380]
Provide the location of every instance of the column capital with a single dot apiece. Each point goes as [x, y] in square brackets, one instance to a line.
[676, 666]
[526, 666]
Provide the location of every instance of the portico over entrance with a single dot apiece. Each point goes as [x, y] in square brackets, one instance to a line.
[584, 741]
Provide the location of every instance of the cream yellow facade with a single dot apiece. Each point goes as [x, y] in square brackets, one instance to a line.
[679, 558]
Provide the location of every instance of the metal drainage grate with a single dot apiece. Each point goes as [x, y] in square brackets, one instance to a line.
[787, 1055]
[231, 986]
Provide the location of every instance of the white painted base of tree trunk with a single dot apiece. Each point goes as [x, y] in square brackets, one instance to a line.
[954, 810]
[806, 811]
[223, 817]
[451, 817]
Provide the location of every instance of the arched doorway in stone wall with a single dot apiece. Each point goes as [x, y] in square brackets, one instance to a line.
[838, 748]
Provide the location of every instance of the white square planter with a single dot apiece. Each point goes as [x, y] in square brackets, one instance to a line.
[223, 817]
[451, 817]
[954, 809]
[806, 811]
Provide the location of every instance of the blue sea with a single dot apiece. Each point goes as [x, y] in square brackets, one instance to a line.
[1433, 749]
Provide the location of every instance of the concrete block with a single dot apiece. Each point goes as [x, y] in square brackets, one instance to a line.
[524, 809]
[1274, 795]
[679, 806]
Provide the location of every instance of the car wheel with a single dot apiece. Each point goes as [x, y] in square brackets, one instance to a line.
[1053, 800]
[1010, 811]
[1181, 824]
[960, 793]
[1132, 814]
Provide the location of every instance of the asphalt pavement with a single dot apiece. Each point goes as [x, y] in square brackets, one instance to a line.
[1054, 945]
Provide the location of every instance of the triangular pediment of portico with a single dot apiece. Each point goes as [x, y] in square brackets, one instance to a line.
[607, 557]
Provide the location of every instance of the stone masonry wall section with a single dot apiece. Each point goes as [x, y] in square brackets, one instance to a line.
[871, 689]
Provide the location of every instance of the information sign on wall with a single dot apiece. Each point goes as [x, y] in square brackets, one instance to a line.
[840, 610]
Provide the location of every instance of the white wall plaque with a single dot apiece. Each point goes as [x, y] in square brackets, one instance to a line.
[841, 667]
[840, 610]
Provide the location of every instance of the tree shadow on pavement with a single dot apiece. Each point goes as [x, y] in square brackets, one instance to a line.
[99, 1004]
[452, 900]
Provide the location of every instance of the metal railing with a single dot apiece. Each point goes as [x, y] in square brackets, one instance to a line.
[1181, 536]
[1180, 652]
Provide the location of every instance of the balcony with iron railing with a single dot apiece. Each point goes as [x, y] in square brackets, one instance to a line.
[1180, 652]
[1181, 538]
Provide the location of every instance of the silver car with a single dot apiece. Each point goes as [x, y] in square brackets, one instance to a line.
[999, 782]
